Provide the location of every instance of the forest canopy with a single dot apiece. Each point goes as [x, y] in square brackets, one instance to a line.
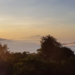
[51, 59]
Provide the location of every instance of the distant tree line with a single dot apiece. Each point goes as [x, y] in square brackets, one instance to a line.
[51, 59]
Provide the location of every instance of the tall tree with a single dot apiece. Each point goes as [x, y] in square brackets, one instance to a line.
[48, 46]
[51, 49]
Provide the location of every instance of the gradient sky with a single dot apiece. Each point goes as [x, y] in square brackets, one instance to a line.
[26, 21]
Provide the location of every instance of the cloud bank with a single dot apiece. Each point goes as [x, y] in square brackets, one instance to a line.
[20, 46]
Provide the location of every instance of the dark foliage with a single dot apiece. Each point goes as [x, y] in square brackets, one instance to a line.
[51, 59]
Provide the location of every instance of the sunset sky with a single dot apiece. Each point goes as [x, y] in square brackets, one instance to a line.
[24, 22]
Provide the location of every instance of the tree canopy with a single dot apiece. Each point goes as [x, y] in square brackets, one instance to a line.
[51, 59]
[52, 49]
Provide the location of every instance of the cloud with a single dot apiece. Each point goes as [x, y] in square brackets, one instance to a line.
[36, 36]
[2, 39]
[68, 43]
[20, 46]
[30, 38]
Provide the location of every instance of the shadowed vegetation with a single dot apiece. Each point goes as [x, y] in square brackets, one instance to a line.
[51, 59]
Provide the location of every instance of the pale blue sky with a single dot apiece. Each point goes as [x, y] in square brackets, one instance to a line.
[21, 19]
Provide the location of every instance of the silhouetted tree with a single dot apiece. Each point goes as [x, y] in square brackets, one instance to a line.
[53, 50]
[62, 53]
[48, 46]
[67, 53]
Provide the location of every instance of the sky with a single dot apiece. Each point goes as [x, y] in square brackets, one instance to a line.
[24, 22]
